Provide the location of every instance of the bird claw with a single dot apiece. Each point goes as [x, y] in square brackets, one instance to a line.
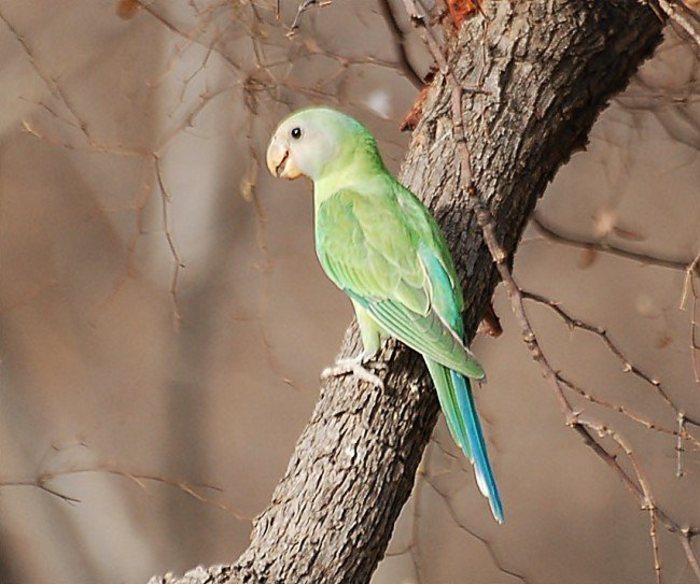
[356, 367]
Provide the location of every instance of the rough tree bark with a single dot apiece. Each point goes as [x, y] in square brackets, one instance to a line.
[547, 68]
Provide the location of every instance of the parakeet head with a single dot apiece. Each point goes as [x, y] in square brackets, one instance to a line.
[311, 141]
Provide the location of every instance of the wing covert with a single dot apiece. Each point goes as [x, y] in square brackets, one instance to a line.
[368, 248]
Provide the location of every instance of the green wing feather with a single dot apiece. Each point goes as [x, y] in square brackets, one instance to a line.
[374, 245]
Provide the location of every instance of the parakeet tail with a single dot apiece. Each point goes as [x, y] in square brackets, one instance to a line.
[457, 402]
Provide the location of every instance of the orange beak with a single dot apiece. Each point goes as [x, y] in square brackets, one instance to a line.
[279, 161]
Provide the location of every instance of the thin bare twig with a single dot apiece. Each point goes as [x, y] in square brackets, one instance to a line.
[607, 248]
[647, 500]
[44, 479]
[677, 12]
[303, 7]
[50, 82]
[393, 24]
[460, 524]
[694, 346]
[586, 428]
[40, 483]
[690, 289]
[178, 264]
[192, 35]
[679, 445]
[420, 20]
[627, 365]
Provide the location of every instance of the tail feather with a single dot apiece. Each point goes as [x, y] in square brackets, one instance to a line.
[457, 402]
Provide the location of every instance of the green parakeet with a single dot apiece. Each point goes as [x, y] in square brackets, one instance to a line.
[379, 244]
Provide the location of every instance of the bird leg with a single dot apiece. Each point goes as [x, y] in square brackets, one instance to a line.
[355, 366]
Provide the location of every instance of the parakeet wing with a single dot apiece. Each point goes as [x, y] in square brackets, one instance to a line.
[372, 248]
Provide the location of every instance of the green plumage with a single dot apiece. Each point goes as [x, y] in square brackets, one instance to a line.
[379, 244]
[372, 244]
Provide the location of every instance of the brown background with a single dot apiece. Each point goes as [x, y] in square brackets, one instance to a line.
[111, 372]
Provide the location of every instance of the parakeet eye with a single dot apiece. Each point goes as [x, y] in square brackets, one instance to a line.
[296, 133]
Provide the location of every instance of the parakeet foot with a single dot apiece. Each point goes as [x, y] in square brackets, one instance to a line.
[355, 366]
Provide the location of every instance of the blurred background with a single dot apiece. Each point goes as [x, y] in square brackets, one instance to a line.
[163, 319]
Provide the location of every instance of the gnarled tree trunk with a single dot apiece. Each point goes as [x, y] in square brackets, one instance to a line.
[547, 68]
